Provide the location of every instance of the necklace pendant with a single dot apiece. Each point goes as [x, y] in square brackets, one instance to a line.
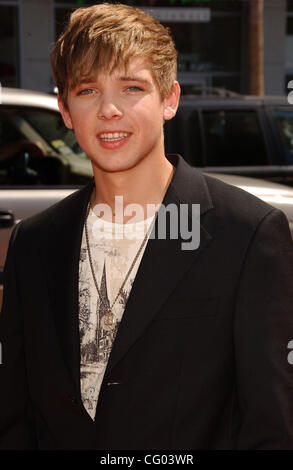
[108, 321]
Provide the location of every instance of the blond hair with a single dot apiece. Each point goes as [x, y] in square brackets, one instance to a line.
[106, 36]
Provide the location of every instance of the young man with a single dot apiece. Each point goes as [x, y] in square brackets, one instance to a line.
[112, 341]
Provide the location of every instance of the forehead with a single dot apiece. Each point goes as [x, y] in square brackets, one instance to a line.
[139, 69]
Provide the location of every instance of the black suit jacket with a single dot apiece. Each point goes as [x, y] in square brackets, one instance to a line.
[200, 357]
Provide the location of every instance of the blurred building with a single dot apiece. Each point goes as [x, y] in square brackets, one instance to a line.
[211, 36]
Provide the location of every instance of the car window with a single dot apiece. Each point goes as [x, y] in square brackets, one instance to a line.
[182, 136]
[52, 128]
[233, 138]
[37, 149]
[284, 125]
[8, 132]
[9, 139]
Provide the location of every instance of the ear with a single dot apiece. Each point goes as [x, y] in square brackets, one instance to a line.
[64, 113]
[171, 103]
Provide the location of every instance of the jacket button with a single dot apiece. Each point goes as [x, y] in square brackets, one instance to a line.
[73, 400]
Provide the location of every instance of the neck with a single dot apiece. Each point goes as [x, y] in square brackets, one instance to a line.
[144, 185]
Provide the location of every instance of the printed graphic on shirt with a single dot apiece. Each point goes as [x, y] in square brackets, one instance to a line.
[96, 336]
[99, 319]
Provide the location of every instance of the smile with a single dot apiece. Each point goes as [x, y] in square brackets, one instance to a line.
[113, 136]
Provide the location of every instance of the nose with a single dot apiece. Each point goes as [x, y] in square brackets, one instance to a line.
[109, 108]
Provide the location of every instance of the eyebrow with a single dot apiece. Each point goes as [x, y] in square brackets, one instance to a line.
[129, 78]
[122, 78]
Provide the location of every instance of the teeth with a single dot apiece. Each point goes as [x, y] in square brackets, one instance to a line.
[112, 136]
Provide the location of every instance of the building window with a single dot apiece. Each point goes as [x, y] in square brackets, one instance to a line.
[200, 61]
[9, 46]
[289, 45]
[61, 18]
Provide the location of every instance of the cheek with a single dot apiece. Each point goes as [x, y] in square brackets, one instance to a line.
[81, 113]
[154, 125]
[81, 130]
[149, 120]
[81, 124]
[82, 134]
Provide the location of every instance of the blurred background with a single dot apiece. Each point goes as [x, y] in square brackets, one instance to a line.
[242, 45]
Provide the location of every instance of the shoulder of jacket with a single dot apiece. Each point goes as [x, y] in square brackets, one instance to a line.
[236, 202]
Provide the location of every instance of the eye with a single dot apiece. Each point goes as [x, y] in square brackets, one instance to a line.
[134, 88]
[86, 91]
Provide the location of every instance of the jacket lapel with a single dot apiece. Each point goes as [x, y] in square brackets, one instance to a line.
[63, 251]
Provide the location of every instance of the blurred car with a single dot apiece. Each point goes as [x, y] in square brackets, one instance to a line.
[49, 164]
[234, 134]
[203, 90]
[36, 149]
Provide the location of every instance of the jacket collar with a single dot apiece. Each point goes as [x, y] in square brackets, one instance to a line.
[150, 288]
[187, 186]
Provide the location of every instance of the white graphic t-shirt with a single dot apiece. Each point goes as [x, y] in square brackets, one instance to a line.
[113, 248]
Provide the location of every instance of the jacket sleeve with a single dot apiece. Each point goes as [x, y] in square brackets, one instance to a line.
[16, 422]
[263, 329]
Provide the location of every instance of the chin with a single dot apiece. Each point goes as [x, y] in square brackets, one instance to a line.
[114, 166]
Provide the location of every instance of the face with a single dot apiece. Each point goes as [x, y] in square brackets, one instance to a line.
[118, 118]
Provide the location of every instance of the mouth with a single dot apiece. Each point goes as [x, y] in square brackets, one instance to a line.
[113, 136]
[113, 140]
